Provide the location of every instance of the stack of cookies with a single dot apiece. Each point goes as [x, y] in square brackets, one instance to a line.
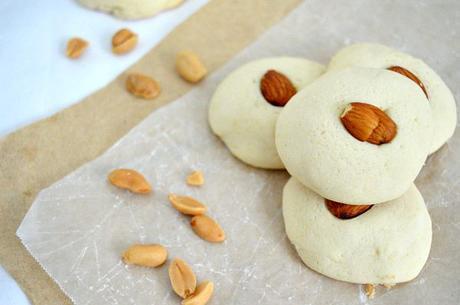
[354, 137]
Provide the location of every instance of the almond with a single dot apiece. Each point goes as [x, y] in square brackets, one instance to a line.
[206, 228]
[368, 123]
[123, 41]
[409, 75]
[196, 178]
[346, 211]
[276, 88]
[187, 205]
[183, 280]
[201, 295]
[190, 67]
[131, 180]
[142, 86]
[145, 255]
[75, 47]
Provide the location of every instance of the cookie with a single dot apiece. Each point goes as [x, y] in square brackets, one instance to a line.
[241, 115]
[442, 101]
[387, 244]
[131, 9]
[318, 149]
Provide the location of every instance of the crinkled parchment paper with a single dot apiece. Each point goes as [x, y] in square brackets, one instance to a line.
[78, 227]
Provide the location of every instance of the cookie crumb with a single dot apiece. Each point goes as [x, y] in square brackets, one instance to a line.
[388, 286]
[370, 290]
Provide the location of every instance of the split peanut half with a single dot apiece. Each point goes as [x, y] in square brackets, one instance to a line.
[183, 280]
[131, 180]
[201, 295]
[208, 229]
[187, 205]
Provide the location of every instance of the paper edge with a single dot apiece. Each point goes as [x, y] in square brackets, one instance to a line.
[18, 234]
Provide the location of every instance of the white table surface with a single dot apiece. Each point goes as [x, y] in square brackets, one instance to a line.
[10, 293]
[36, 78]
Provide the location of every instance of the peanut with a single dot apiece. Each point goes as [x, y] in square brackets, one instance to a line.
[187, 205]
[183, 280]
[145, 255]
[190, 67]
[131, 180]
[142, 86]
[202, 294]
[195, 179]
[123, 41]
[75, 47]
[206, 228]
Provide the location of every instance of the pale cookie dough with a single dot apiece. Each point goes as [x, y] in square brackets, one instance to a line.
[131, 9]
[388, 244]
[244, 120]
[378, 56]
[317, 149]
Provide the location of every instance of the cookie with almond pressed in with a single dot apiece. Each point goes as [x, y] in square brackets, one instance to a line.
[442, 102]
[387, 244]
[246, 104]
[318, 135]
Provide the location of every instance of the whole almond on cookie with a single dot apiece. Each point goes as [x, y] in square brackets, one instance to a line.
[346, 211]
[276, 88]
[409, 75]
[368, 123]
[123, 41]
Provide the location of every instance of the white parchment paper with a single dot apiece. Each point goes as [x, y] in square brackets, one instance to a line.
[78, 227]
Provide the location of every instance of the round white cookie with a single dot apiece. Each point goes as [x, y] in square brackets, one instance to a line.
[442, 101]
[388, 244]
[317, 149]
[131, 9]
[243, 119]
